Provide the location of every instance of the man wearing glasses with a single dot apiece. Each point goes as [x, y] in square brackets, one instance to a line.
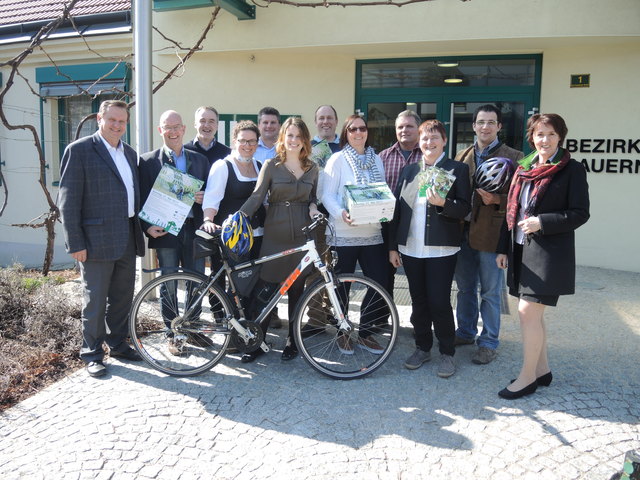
[174, 250]
[477, 257]
[205, 142]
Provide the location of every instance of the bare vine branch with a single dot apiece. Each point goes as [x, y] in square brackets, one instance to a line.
[6, 193]
[51, 217]
[197, 46]
[175, 43]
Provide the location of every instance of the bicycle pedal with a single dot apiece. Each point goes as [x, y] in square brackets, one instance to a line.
[266, 347]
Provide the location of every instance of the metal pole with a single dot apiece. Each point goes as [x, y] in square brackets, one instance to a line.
[143, 86]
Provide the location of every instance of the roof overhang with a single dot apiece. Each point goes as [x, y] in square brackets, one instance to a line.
[86, 25]
[239, 8]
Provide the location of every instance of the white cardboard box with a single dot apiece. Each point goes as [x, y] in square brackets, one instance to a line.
[370, 203]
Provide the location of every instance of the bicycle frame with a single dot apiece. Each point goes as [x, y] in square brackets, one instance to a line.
[311, 257]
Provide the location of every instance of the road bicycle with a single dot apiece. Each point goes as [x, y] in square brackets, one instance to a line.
[182, 323]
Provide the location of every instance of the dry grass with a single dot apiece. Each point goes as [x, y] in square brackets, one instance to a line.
[39, 332]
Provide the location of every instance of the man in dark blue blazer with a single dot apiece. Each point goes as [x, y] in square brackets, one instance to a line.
[99, 200]
[173, 250]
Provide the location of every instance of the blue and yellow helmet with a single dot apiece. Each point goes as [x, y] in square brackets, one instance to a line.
[237, 234]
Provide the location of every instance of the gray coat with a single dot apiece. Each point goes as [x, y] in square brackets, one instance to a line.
[287, 214]
[93, 201]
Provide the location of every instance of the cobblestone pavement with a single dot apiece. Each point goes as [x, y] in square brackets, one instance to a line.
[283, 420]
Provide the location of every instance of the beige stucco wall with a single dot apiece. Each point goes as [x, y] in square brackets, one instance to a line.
[422, 28]
[296, 59]
[606, 110]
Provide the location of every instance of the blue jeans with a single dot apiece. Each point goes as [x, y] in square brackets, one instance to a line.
[475, 267]
[169, 259]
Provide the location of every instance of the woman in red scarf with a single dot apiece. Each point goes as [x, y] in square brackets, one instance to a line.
[548, 200]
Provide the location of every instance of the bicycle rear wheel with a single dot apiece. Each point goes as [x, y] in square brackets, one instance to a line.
[371, 314]
[170, 341]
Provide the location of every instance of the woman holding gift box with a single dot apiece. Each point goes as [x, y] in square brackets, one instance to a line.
[425, 237]
[355, 164]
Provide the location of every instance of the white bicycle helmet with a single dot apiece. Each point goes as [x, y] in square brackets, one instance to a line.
[494, 174]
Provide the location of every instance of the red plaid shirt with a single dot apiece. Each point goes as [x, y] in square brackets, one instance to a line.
[393, 162]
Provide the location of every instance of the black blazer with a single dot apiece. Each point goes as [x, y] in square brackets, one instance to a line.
[149, 168]
[444, 224]
[549, 255]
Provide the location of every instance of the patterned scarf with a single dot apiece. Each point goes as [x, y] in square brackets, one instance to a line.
[359, 167]
[541, 178]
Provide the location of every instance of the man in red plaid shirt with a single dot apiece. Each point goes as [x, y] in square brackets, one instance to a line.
[405, 150]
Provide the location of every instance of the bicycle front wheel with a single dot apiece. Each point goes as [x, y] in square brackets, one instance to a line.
[373, 319]
[173, 331]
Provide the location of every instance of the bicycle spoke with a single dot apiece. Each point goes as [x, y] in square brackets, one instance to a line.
[371, 315]
[175, 333]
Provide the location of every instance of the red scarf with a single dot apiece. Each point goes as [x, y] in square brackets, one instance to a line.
[541, 177]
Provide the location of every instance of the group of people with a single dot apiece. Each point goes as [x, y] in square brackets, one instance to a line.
[280, 177]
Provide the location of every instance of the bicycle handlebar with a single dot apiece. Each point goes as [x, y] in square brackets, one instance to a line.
[209, 236]
[319, 219]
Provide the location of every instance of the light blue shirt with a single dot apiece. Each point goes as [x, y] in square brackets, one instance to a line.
[263, 152]
[483, 155]
[180, 159]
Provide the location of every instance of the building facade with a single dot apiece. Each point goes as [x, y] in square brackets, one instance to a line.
[442, 58]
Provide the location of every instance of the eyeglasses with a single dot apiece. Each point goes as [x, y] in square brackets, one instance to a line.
[251, 143]
[489, 123]
[171, 128]
[357, 129]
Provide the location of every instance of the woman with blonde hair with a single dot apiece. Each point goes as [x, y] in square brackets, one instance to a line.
[290, 181]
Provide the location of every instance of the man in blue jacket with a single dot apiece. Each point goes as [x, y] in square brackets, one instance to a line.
[172, 250]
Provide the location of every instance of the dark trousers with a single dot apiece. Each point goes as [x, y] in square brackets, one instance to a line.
[170, 259]
[265, 290]
[107, 296]
[374, 262]
[430, 289]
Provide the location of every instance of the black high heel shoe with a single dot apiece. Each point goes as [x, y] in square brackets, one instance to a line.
[509, 395]
[543, 380]
[251, 356]
[290, 351]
